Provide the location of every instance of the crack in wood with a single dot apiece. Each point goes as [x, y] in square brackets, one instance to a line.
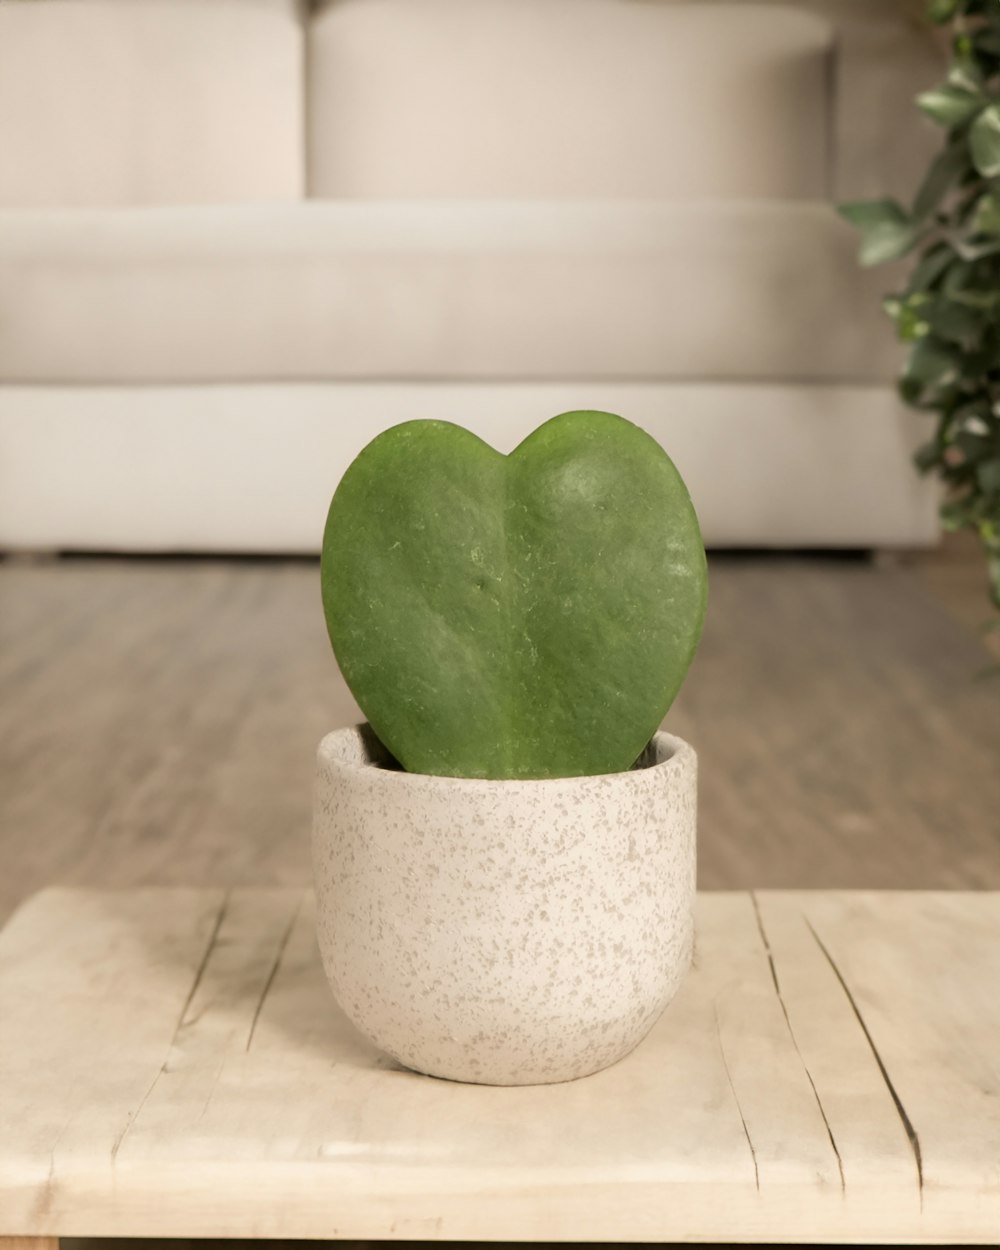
[43, 1203]
[911, 1132]
[213, 938]
[732, 1087]
[274, 970]
[791, 1034]
[116, 1146]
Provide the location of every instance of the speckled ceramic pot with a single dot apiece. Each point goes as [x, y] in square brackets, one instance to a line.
[503, 932]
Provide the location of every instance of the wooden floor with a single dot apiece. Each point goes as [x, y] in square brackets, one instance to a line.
[158, 721]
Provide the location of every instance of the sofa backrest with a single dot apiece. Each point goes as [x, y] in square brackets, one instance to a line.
[126, 102]
[122, 102]
[567, 98]
[887, 52]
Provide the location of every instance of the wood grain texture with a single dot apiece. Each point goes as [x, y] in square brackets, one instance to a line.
[172, 1064]
[158, 722]
[956, 574]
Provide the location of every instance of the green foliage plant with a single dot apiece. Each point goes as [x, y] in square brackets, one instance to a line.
[521, 616]
[949, 310]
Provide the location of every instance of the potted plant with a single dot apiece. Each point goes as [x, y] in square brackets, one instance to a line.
[948, 311]
[505, 854]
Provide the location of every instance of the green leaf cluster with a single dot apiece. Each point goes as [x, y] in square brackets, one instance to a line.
[948, 313]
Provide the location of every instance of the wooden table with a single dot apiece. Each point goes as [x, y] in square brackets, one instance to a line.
[172, 1064]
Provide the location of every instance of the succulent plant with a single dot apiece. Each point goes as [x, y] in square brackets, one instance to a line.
[520, 616]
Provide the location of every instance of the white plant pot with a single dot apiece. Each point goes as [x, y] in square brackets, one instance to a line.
[503, 932]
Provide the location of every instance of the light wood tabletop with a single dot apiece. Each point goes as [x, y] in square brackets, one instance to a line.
[172, 1064]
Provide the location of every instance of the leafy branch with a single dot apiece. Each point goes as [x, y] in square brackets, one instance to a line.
[949, 311]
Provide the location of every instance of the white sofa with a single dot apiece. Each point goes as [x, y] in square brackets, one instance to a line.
[240, 237]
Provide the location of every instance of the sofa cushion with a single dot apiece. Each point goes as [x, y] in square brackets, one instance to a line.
[574, 98]
[735, 290]
[150, 101]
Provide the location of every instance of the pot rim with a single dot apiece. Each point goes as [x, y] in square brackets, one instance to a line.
[679, 757]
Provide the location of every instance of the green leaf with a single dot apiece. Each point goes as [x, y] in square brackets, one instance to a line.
[887, 232]
[984, 141]
[941, 11]
[960, 275]
[950, 105]
[953, 322]
[986, 218]
[530, 615]
[909, 316]
[973, 416]
[929, 268]
[988, 41]
[931, 363]
[973, 251]
[983, 301]
[944, 174]
[961, 47]
[867, 213]
[988, 475]
[964, 71]
[974, 447]
[977, 365]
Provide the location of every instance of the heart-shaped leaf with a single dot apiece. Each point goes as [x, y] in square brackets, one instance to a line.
[530, 615]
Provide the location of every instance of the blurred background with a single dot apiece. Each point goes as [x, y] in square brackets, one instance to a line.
[238, 238]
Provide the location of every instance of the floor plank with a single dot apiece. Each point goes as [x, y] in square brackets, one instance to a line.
[158, 721]
[955, 572]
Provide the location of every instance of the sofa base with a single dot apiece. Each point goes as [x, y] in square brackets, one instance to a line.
[251, 468]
